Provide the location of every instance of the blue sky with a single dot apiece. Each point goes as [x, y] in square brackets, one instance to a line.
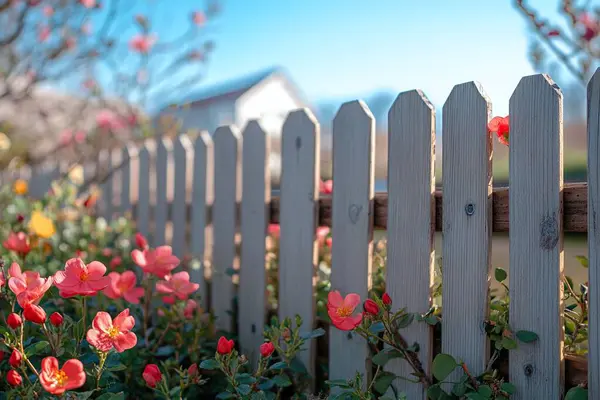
[346, 48]
[342, 49]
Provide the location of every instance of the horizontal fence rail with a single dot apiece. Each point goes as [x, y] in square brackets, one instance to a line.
[211, 198]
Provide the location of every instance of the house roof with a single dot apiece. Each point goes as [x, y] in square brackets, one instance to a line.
[233, 88]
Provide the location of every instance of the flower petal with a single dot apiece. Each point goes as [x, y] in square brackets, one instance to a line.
[102, 321]
[335, 299]
[352, 300]
[75, 373]
[125, 341]
[124, 321]
[96, 269]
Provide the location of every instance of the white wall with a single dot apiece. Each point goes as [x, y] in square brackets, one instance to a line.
[205, 117]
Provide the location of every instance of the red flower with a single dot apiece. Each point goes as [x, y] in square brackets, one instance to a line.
[81, 279]
[177, 284]
[140, 241]
[591, 27]
[57, 381]
[107, 333]
[159, 261]
[13, 378]
[340, 310]
[193, 370]
[371, 307]
[15, 359]
[387, 300]
[326, 187]
[123, 285]
[274, 230]
[170, 300]
[17, 242]
[152, 375]
[142, 43]
[198, 18]
[225, 346]
[190, 307]
[266, 349]
[14, 321]
[116, 262]
[35, 314]
[28, 286]
[501, 127]
[56, 319]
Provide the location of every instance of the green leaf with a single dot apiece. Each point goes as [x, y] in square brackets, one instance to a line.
[475, 396]
[383, 381]
[485, 391]
[443, 365]
[278, 365]
[508, 388]
[527, 336]
[342, 383]
[85, 395]
[377, 327]
[459, 389]
[435, 392]
[384, 356]
[405, 320]
[583, 261]
[577, 393]
[266, 385]
[164, 351]
[245, 378]
[282, 380]
[225, 395]
[79, 329]
[37, 348]
[431, 320]
[500, 274]
[244, 389]
[118, 367]
[312, 335]
[112, 396]
[298, 366]
[209, 364]
[509, 343]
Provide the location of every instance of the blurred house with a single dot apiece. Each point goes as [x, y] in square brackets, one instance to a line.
[267, 95]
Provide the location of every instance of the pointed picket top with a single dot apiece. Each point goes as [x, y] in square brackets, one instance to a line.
[535, 82]
[594, 82]
[254, 130]
[471, 90]
[301, 118]
[204, 143]
[358, 112]
[412, 98]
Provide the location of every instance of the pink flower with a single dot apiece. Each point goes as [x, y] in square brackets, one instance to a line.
[198, 18]
[115, 262]
[88, 3]
[57, 381]
[274, 230]
[170, 300]
[28, 286]
[340, 310]
[107, 333]
[322, 233]
[326, 187]
[81, 279]
[89, 84]
[17, 242]
[80, 137]
[123, 285]
[66, 137]
[152, 375]
[48, 11]
[177, 284]
[108, 120]
[190, 307]
[140, 241]
[159, 261]
[142, 43]
[43, 33]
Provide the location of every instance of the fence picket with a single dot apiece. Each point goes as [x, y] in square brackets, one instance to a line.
[593, 118]
[298, 219]
[164, 149]
[201, 198]
[536, 256]
[105, 164]
[128, 156]
[352, 223]
[467, 180]
[411, 222]
[145, 156]
[256, 189]
[182, 153]
[227, 193]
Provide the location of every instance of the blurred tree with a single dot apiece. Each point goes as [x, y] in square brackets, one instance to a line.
[86, 71]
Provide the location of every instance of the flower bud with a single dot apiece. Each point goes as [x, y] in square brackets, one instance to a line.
[387, 300]
[56, 319]
[35, 314]
[371, 307]
[14, 321]
[15, 359]
[14, 378]
[266, 349]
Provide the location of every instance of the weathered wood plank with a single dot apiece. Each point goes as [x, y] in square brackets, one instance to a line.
[164, 157]
[467, 228]
[142, 210]
[536, 237]
[256, 189]
[410, 246]
[593, 119]
[182, 157]
[352, 230]
[300, 165]
[227, 194]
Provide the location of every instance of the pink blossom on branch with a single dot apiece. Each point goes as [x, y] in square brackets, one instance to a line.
[159, 261]
[43, 33]
[81, 279]
[123, 285]
[109, 120]
[198, 18]
[88, 3]
[177, 284]
[142, 43]
[107, 333]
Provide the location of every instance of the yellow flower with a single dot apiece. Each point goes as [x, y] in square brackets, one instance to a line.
[76, 175]
[41, 225]
[20, 187]
[4, 142]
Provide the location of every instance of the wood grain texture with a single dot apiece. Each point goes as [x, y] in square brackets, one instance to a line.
[182, 160]
[228, 142]
[536, 237]
[593, 120]
[142, 212]
[203, 170]
[256, 194]
[164, 148]
[467, 224]
[410, 247]
[128, 156]
[352, 230]
[300, 165]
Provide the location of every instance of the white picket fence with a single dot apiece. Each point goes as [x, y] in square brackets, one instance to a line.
[231, 168]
